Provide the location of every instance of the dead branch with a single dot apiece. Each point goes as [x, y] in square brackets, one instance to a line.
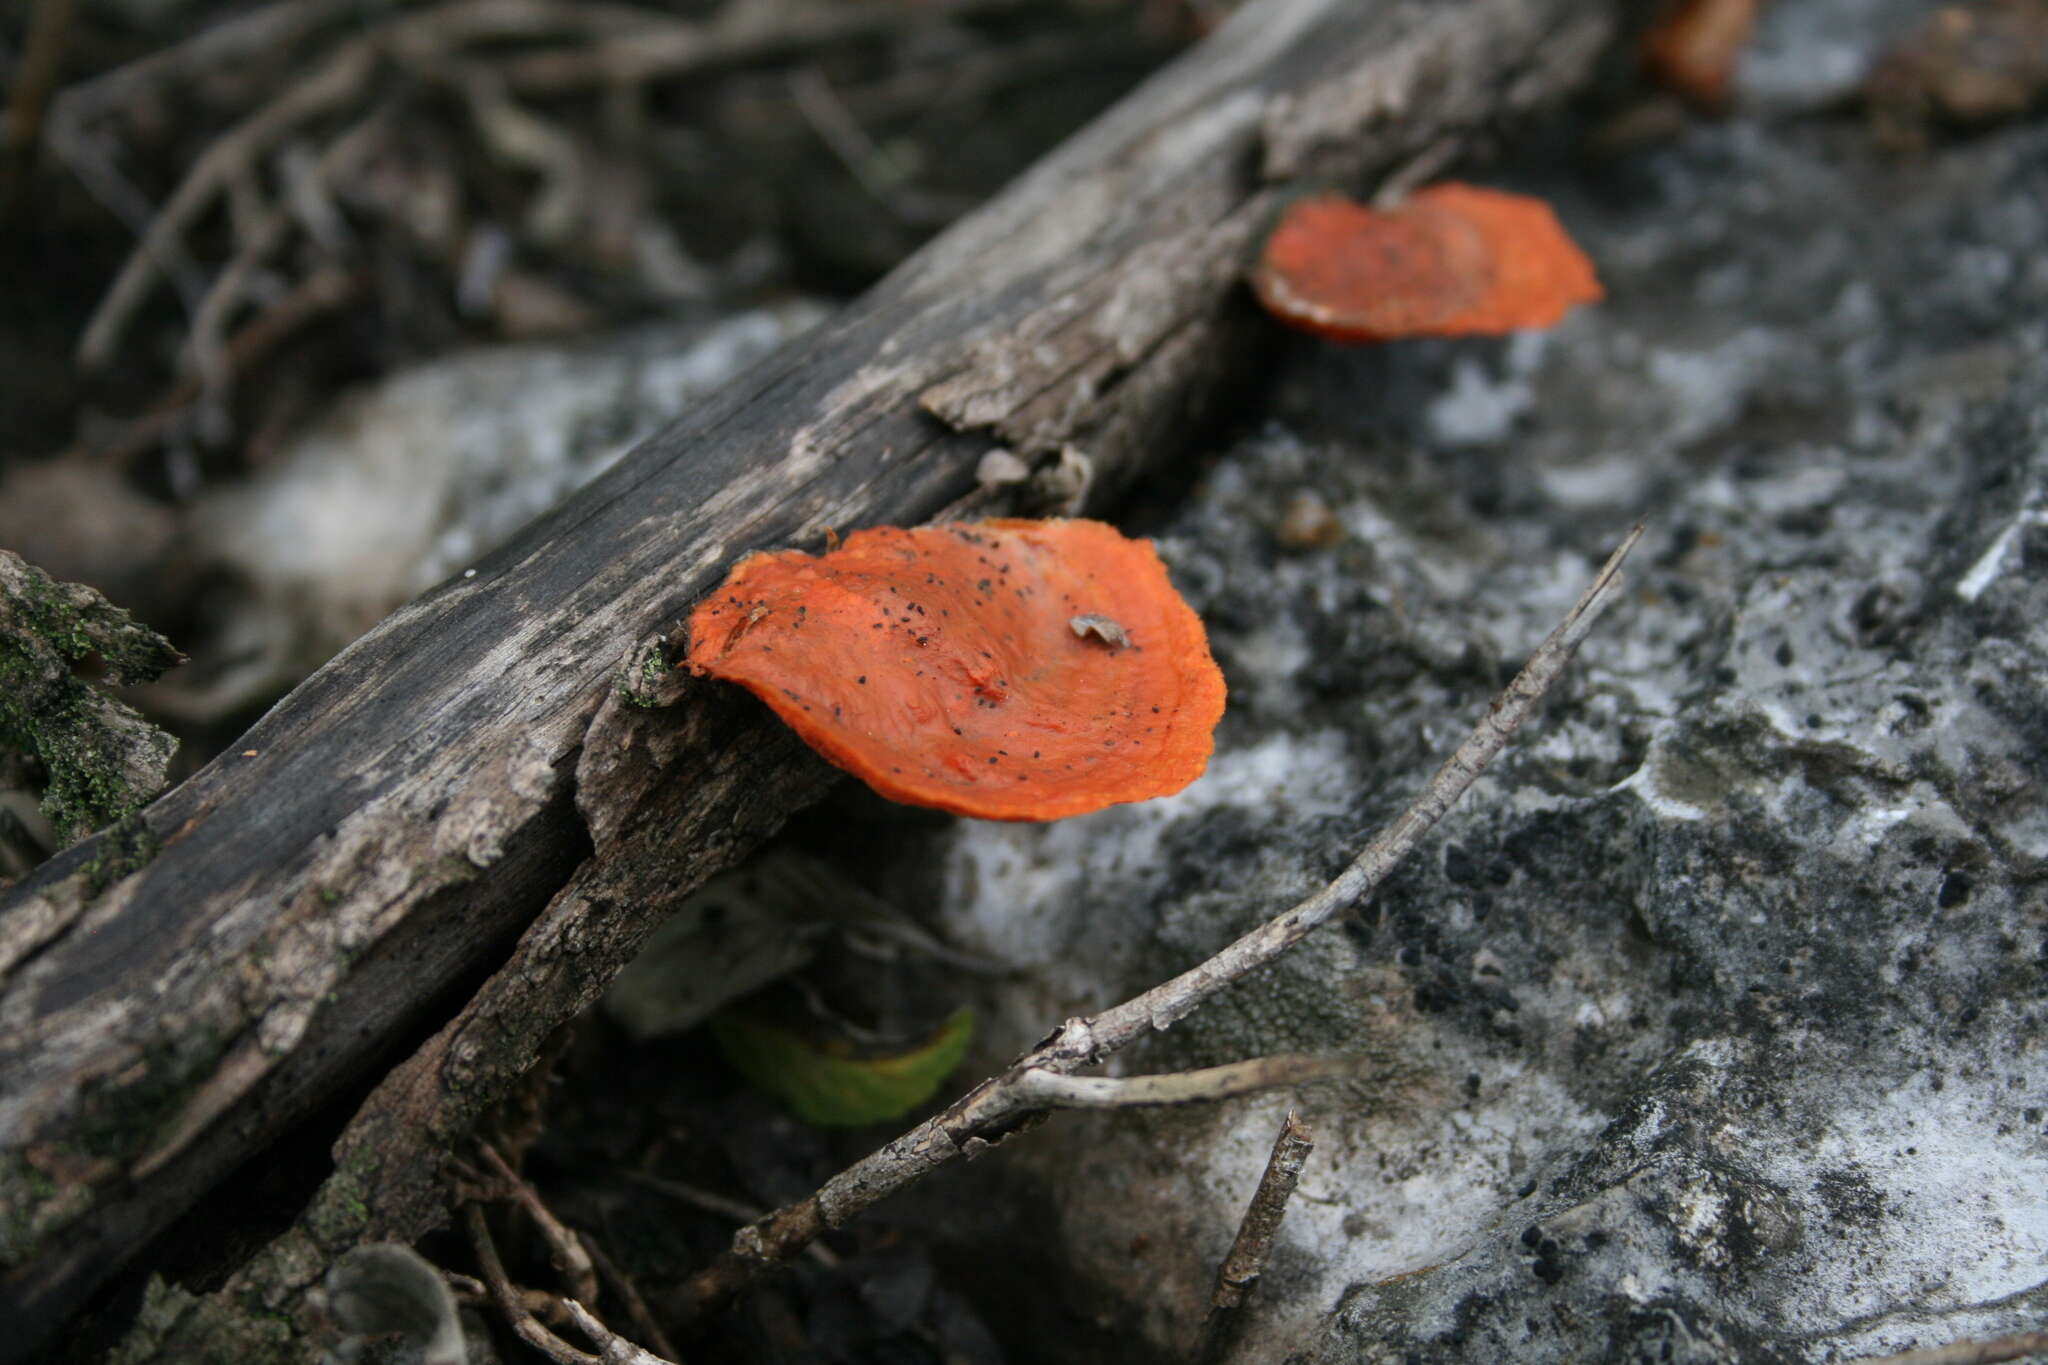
[996, 1107]
[1241, 1269]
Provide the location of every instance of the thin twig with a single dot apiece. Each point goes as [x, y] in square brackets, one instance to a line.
[205, 353]
[474, 1293]
[344, 73]
[466, 1288]
[629, 1294]
[271, 30]
[524, 139]
[742, 33]
[89, 156]
[996, 1107]
[738, 1210]
[319, 294]
[840, 131]
[564, 1247]
[422, 40]
[1984, 1352]
[1087, 1041]
[1254, 1243]
[34, 77]
[612, 1348]
[1050, 1090]
[509, 1300]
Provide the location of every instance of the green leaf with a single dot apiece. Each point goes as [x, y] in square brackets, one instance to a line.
[832, 1090]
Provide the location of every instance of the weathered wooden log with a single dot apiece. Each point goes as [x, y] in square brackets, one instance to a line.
[175, 996]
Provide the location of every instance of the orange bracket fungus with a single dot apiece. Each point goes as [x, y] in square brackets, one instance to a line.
[1007, 669]
[1450, 260]
[1694, 45]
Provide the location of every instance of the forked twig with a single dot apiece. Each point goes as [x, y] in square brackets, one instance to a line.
[419, 40]
[613, 1349]
[996, 1107]
[345, 72]
[564, 1247]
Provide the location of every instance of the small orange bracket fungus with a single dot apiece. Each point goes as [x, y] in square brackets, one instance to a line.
[1694, 45]
[1450, 260]
[962, 666]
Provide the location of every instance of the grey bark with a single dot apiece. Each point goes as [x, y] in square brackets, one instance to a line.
[436, 796]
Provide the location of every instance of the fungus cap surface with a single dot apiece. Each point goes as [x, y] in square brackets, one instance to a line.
[939, 664]
[1450, 260]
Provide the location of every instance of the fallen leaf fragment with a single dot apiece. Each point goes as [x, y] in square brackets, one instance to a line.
[1451, 260]
[830, 1089]
[939, 664]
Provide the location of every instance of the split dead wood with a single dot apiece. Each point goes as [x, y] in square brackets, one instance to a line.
[477, 786]
[1249, 1251]
[998, 1106]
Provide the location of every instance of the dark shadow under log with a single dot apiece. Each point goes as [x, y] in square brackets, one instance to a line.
[437, 798]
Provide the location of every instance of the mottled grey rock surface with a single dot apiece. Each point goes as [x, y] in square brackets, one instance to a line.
[1711, 1025]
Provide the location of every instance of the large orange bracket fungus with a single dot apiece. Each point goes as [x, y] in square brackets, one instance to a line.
[1450, 260]
[1007, 669]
